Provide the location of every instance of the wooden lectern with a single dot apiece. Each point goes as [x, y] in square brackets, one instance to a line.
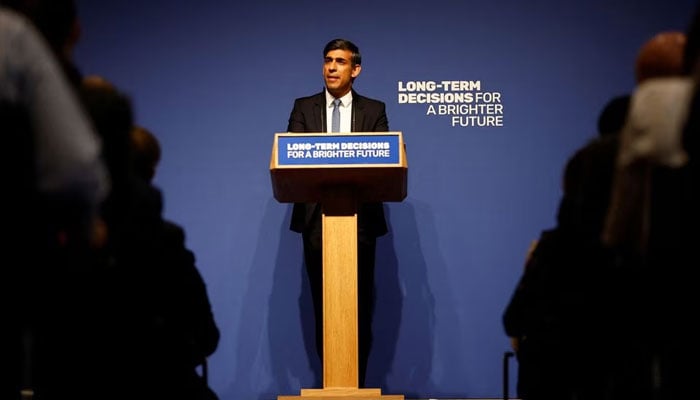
[339, 171]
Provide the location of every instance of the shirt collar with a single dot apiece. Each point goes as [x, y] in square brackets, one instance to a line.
[346, 100]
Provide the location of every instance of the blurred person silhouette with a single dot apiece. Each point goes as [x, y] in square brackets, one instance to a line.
[152, 322]
[57, 182]
[187, 326]
[78, 335]
[341, 66]
[653, 113]
[674, 241]
[124, 279]
[650, 222]
[556, 314]
[671, 237]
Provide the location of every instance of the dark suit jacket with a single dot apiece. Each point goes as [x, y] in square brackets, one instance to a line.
[368, 115]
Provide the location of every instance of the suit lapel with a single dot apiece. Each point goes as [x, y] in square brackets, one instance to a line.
[358, 113]
[319, 113]
[313, 210]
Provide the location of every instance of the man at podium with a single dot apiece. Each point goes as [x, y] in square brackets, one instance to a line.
[338, 108]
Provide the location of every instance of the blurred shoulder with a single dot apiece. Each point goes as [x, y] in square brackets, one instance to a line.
[174, 232]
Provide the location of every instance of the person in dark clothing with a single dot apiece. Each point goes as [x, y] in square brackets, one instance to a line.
[559, 308]
[75, 331]
[55, 181]
[560, 312]
[187, 329]
[653, 219]
[672, 257]
[132, 315]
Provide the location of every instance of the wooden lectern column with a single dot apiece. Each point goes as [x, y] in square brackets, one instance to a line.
[340, 295]
[340, 331]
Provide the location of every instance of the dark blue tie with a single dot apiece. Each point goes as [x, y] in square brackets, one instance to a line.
[335, 121]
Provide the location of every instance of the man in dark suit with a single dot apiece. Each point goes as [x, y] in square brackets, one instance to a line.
[341, 65]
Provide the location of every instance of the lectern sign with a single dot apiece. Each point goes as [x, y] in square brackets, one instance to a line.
[338, 149]
[304, 165]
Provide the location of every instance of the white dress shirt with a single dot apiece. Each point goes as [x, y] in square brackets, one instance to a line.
[345, 112]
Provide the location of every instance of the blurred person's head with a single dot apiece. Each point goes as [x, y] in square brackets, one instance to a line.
[661, 56]
[145, 153]
[111, 115]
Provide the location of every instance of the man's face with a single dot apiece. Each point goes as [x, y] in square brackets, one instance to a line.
[338, 72]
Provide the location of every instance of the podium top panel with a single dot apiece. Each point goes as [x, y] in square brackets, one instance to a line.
[307, 166]
[338, 149]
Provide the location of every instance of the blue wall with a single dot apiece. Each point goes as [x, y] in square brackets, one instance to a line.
[215, 81]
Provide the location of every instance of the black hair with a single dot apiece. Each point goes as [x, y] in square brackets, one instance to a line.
[344, 44]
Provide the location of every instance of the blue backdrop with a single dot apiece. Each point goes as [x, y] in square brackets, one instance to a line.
[215, 80]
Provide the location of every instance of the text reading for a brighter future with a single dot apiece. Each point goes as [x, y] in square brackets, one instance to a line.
[339, 150]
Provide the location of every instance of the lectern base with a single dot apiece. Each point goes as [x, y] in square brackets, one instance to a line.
[348, 397]
[342, 394]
